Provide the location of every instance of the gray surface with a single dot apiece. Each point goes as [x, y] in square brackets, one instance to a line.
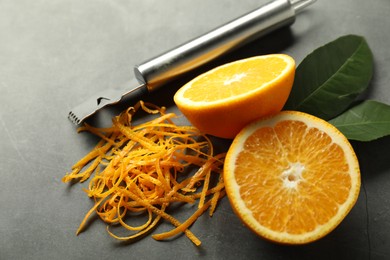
[54, 54]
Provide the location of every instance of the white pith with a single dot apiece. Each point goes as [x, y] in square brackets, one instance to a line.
[293, 175]
[234, 78]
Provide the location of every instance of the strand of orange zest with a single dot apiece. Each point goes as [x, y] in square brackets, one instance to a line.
[143, 169]
[183, 227]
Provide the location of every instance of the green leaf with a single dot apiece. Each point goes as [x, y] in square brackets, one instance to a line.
[329, 79]
[367, 121]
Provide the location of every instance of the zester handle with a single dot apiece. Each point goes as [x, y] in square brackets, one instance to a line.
[188, 56]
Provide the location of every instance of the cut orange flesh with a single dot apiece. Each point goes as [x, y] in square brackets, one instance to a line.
[291, 178]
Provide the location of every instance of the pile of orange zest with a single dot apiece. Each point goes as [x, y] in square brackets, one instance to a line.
[145, 168]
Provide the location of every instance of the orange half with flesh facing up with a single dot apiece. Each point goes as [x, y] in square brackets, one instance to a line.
[291, 178]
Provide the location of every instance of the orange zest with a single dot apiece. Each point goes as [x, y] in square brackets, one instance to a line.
[144, 169]
[291, 178]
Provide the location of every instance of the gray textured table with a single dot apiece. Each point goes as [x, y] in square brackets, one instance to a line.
[54, 54]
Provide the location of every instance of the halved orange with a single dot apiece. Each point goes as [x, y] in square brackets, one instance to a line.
[291, 178]
[223, 100]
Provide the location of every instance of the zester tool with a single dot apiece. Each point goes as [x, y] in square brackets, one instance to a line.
[156, 72]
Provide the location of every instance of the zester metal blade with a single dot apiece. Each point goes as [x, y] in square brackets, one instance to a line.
[105, 98]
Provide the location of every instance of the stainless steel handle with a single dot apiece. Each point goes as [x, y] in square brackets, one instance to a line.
[188, 56]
